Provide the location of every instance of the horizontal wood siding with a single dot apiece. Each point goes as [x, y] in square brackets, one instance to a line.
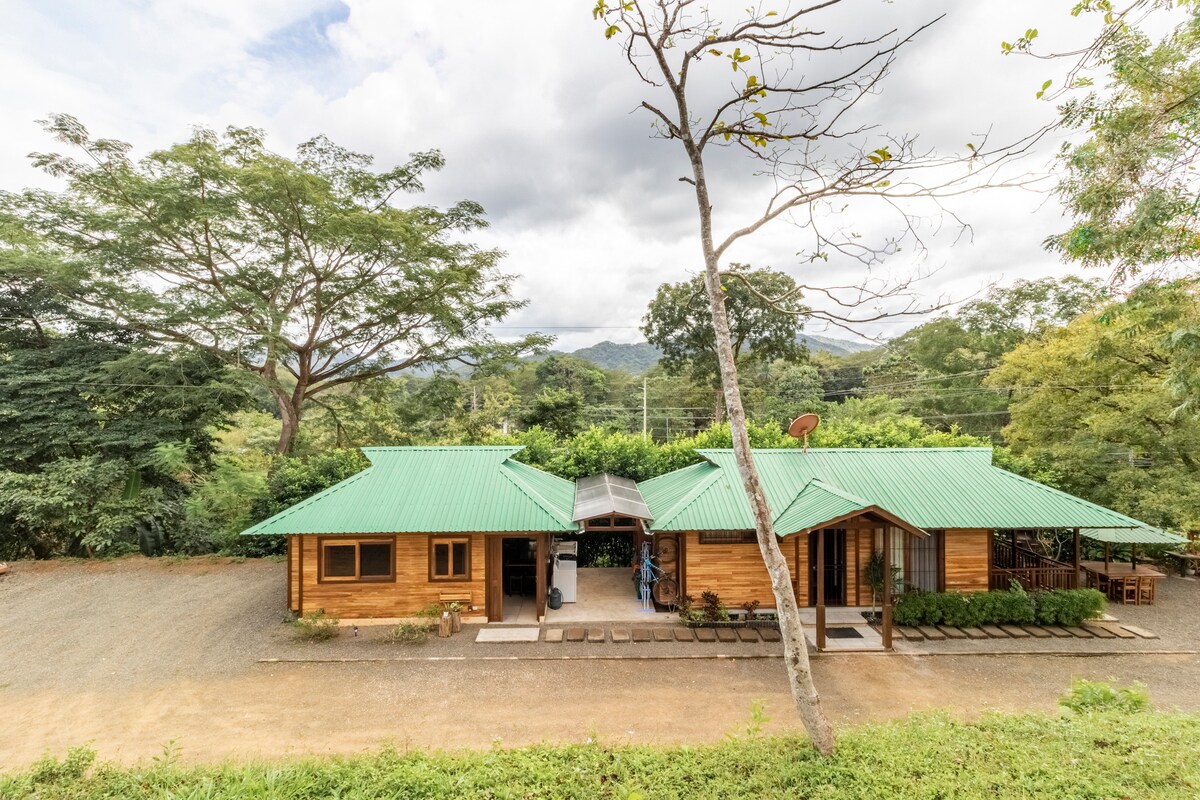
[411, 591]
[967, 560]
[734, 571]
[293, 582]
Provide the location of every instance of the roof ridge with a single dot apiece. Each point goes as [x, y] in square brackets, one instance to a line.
[689, 498]
[532, 493]
[306, 502]
[840, 492]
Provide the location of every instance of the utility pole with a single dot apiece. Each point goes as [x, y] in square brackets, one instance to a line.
[645, 412]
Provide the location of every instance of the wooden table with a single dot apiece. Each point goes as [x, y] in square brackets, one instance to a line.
[1184, 560]
[1116, 570]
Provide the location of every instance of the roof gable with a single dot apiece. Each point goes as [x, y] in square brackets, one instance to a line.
[433, 490]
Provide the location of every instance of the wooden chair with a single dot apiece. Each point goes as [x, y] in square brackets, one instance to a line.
[1145, 590]
[1127, 589]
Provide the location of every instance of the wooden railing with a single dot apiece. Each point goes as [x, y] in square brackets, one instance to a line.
[1031, 570]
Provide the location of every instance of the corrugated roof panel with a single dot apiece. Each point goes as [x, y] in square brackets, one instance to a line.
[433, 490]
[605, 495]
[1146, 535]
[931, 488]
[815, 504]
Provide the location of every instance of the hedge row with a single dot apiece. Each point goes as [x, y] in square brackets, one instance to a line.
[1014, 607]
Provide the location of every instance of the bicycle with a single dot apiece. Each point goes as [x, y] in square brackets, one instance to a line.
[664, 589]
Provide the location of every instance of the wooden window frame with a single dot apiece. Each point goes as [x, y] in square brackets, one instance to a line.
[450, 540]
[357, 542]
[726, 537]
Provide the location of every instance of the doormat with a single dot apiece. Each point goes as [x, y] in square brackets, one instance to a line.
[842, 633]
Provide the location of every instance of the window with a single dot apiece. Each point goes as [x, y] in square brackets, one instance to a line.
[449, 559]
[366, 560]
[728, 537]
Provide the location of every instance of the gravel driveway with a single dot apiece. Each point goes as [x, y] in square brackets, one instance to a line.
[132, 654]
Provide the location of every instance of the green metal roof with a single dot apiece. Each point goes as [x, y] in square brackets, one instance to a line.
[930, 488]
[1144, 535]
[817, 503]
[434, 490]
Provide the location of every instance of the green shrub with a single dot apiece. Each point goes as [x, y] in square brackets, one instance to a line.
[409, 633]
[1097, 696]
[315, 626]
[1068, 606]
[1013, 607]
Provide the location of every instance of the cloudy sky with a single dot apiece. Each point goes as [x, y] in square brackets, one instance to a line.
[537, 116]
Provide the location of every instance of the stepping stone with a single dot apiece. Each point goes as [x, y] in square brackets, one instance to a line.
[1142, 632]
[994, 632]
[641, 635]
[748, 635]
[575, 634]
[770, 635]
[554, 635]
[1081, 633]
[726, 635]
[1099, 632]
[706, 635]
[931, 633]
[596, 634]
[1015, 631]
[1118, 631]
[911, 634]
[952, 633]
[620, 635]
[1057, 632]
[684, 635]
[663, 635]
[974, 633]
[1037, 631]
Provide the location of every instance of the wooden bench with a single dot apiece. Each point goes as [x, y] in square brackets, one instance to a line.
[463, 598]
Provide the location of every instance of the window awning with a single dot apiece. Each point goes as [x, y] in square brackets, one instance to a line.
[1145, 535]
[606, 495]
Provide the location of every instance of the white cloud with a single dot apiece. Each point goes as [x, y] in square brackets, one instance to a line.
[537, 115]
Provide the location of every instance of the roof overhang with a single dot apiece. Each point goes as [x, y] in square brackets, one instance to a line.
[606, 495]
[1144, 535]
[885, 516]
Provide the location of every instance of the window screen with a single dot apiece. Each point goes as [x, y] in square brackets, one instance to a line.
[374, 560]
[339, 560]
[441, 560]
[728, 537]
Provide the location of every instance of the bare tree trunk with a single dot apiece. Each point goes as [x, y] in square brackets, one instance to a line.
[718, 405]
[795, 648]
[289, 414]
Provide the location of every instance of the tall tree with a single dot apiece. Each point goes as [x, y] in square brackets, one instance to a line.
[679, 323]
[1094, 399]
[1129, 179]
[796, 124]
[301, 271]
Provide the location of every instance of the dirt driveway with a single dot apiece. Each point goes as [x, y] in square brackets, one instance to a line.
[132, 654]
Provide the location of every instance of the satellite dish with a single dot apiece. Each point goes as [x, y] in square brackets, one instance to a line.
[802, 426]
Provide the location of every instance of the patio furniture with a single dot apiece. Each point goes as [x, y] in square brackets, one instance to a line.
[1127, 589]
[1111, 577]
[1145, 590]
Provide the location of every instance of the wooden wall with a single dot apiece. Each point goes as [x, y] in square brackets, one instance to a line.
[967, 559]
[293, 579]
[411, 591]
[734, 571]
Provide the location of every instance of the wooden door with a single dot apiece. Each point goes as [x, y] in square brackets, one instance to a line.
[494, 577]
[834, 567]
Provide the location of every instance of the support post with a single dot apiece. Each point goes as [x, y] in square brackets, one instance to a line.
[1107, 556]
[542, 558]
[1133, 556]
[1075, 562]
[887, 588]
[821, 590]
[645, 414]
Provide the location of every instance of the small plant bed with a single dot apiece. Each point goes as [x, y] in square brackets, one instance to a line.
[1065, 607]
[315, 626]
[710, 612]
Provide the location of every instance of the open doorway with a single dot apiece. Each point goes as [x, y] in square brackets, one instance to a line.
[516, 581]
[833, 566]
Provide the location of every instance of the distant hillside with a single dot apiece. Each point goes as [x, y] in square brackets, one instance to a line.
[835, 347]
[638, 357]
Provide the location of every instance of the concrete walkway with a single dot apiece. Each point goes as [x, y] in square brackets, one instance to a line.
[605, 595]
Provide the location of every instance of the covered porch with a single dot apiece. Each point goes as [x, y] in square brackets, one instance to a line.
[1019, 557]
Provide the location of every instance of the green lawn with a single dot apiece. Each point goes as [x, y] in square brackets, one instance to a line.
[1099, 755]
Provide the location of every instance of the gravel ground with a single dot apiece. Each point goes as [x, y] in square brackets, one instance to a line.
[132, 654]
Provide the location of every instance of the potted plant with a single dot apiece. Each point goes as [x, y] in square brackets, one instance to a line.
[876, 564]
[455, 611]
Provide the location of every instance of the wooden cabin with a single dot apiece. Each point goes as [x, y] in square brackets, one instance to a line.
[430, 525]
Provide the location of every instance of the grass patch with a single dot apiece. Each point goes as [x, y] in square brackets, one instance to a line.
[1100, 754]
[409, 633]
[315, 626]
